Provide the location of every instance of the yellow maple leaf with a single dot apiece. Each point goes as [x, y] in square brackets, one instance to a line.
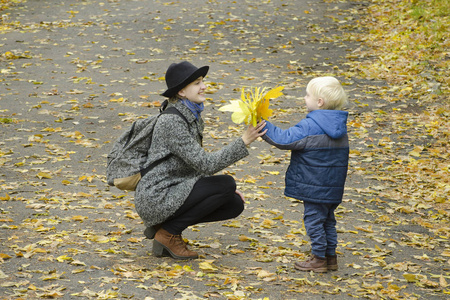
[236, 251]
[4, 256]
[6, 198]
[188, 268]
[243, 238]
[79, 218]
[207, 266]
[253, 105]
[63, 258]
[410, 277]
[41, 175]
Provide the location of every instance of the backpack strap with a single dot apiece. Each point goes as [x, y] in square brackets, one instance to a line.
[171, 110]
[131, 134]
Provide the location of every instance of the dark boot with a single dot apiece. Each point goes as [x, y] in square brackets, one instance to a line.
[150, 232]
[314, 263]
[172, 244]
[332, 264]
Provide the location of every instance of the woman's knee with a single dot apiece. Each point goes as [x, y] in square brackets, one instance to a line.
[228, 182]
[222, 182]
[226, 185]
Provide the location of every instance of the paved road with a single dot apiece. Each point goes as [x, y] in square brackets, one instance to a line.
[74, 74]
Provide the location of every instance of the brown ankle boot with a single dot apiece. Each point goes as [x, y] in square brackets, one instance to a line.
[172, 244]
[314, 263]
[150, 232]
[332, 264]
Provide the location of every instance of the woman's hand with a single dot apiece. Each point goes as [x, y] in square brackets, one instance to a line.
[252, 133]
[240, 195]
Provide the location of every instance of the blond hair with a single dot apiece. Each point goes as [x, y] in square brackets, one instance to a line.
[330, 90]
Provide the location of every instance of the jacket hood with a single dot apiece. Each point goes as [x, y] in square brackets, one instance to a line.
[332, 122]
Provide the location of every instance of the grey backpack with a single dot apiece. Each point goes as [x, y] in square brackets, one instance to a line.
[127, 161]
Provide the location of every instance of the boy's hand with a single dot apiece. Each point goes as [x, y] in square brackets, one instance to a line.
[252, 133]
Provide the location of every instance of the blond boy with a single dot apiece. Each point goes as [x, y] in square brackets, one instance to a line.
[318, 167]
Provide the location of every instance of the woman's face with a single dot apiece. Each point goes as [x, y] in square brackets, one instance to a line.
[194, 91]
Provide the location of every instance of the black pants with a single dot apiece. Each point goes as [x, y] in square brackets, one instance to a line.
[212, 199]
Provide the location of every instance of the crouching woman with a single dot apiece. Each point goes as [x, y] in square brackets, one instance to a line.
[182, 190]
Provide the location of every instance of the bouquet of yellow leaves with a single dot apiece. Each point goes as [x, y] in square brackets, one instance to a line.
[253, 106]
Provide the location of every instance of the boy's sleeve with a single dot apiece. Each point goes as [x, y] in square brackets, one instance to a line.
[286, 139]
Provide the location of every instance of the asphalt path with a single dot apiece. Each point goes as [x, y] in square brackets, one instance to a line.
[77, 73]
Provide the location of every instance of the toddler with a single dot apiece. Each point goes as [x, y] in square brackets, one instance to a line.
[318, 167]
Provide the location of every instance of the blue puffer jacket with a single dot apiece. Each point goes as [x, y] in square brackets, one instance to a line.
[319, 158]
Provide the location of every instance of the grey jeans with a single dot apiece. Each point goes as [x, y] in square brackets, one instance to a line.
[320, 224]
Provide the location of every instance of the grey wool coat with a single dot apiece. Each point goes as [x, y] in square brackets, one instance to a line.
[164, 189]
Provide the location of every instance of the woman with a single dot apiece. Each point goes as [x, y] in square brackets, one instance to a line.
[181, 190]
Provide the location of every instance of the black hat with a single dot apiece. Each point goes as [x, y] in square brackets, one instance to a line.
[180, 75]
